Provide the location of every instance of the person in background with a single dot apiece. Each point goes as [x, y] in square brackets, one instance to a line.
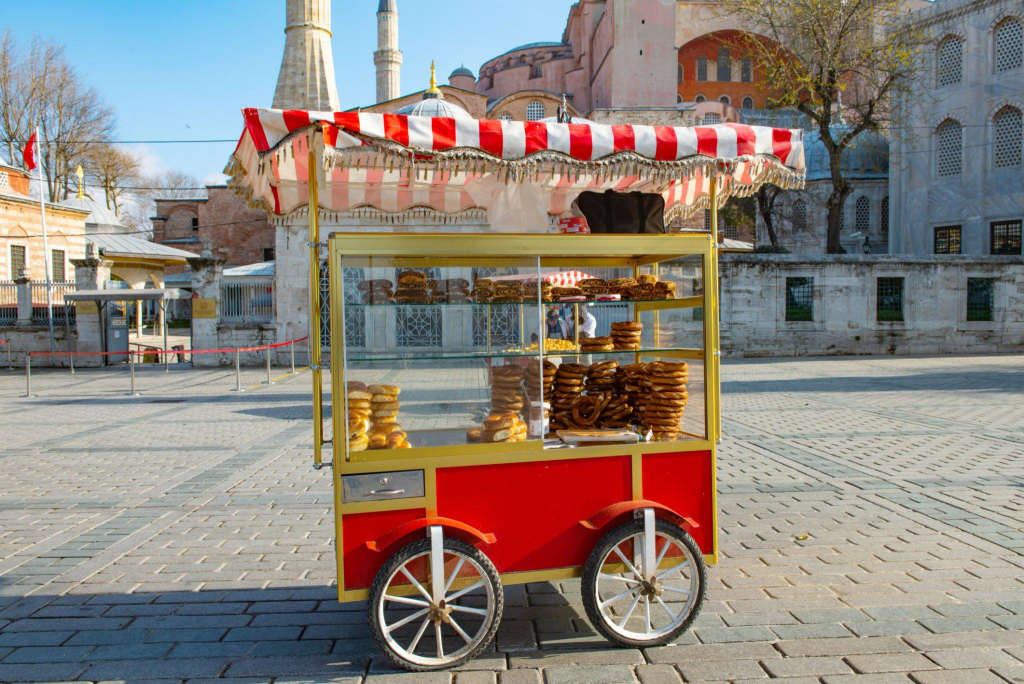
[587, 323]
[557, 327]
[534, 339]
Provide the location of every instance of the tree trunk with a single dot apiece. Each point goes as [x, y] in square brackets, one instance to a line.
[766, 206]
[835, 204]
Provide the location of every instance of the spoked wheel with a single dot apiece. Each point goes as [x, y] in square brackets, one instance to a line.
[643, 584]
[435, 611]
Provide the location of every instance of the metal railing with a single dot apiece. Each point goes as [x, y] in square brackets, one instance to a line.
[63, 312]
[8, 302]
[247, 300]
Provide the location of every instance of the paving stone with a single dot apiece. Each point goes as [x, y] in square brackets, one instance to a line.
[816, 631]
[884, 678]
[410, 678]
[658, 674]
[721, 670]
[519, 677]
[957, 677]
[890, 662]
[885, 628]
[478, 677]
[972, 659]
[157, 669]
[842, 647]
[47, 654]
[960, 624]
[130, 652]
[804, 667]
[547, 659]
[726, 635]
[590, 674]
[713, 652]
[969, 609]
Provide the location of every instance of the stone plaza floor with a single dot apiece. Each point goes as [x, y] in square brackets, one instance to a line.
[872, 531]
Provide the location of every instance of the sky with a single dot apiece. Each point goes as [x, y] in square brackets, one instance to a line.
[183, 69]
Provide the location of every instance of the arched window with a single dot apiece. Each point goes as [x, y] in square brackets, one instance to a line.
[748, 103]
[724, 65]
[1009, 44]
[949, 62]
[702, 68]
[885, 214]
[724, 99]
[538, 70]
[535, 111]
[679, 99]
[711, 118]
[746, 72]
[1007, 138]
[504, 116]
[948, 148]
[799, 216]
[700, 98]
[862, 214]
[679, 73]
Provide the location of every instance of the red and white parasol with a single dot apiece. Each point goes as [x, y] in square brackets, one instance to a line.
[556, 278]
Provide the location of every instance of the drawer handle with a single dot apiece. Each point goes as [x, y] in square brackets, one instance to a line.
[387, 492]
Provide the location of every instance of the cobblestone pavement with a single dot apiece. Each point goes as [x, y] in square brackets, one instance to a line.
[872, 531]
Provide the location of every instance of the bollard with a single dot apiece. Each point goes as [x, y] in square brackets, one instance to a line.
[269, 381]
[292, 343]
[131, 364]
[238, 372]
[10, 364]
[71, 362]
[28, 376]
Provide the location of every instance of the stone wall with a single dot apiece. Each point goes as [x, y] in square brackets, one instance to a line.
[845, 294]
[36, 338]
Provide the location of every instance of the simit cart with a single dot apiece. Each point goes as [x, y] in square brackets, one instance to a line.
[465, 458]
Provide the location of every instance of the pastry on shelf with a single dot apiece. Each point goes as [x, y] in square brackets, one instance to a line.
[626, 335]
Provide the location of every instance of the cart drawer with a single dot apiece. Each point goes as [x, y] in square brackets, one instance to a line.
[404, 484]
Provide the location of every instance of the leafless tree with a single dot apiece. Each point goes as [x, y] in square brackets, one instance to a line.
[163, 185]
[844, 63]
[39, 87]
[116, 169]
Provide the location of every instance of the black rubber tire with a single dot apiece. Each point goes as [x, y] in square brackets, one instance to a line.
[402, 556]
[593, 566]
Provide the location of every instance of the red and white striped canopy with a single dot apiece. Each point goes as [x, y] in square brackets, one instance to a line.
[396, 163]
[556, 278]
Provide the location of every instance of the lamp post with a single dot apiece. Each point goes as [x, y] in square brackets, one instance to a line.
[866, 247]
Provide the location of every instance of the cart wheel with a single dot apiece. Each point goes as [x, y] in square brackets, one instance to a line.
[637, 599]
[461, 624]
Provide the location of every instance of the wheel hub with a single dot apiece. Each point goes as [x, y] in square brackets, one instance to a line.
[651, 588]
[440, 612]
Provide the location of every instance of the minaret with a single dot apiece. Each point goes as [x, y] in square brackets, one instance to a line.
[388, 57]
[306, 80]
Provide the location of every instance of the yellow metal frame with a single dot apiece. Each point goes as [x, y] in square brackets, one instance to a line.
[410, 250]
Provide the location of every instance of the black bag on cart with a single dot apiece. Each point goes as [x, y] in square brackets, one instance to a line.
[623, 212]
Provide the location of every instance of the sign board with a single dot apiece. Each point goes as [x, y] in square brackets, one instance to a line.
[203, 307]
[86, 309]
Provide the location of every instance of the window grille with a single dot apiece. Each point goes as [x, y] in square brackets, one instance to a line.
[700, 98]
[247, 301]
[325, 306]
[889, 303]
[5, 181]
[947, 240]
[1009, 45]
[724, 99]
[1007, 138]
[842, 217]
[538, 70]
[702, 68]
[420, 326]
[57, 272]
[1006, 237]
[862, 214]
[707, 220]
[8, 302]
[535, 111]
[980, 298]
[949, 62]
[748, 103]
[800, 216]
[885, 214]
[711, 118]
[355, 316]
[62, 310]
[504, 116]
[679, 73]
[724, 65]
[746, 73]
[949, 139]
[18, 263]
[799, 299]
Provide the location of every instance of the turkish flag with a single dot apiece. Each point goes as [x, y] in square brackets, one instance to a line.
[30, 153]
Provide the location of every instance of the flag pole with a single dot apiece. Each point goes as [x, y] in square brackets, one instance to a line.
[46, 249]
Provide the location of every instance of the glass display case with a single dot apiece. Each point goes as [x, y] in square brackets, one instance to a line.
[483, 343]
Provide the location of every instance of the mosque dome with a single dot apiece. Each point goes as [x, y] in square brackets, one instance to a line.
[462, 71]
[433, 103]
[866, 159]
[99, 214]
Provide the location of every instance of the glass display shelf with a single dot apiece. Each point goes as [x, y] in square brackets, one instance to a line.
[682, 301]
[422, 355]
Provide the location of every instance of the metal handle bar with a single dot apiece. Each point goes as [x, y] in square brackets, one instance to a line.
[387, 492]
